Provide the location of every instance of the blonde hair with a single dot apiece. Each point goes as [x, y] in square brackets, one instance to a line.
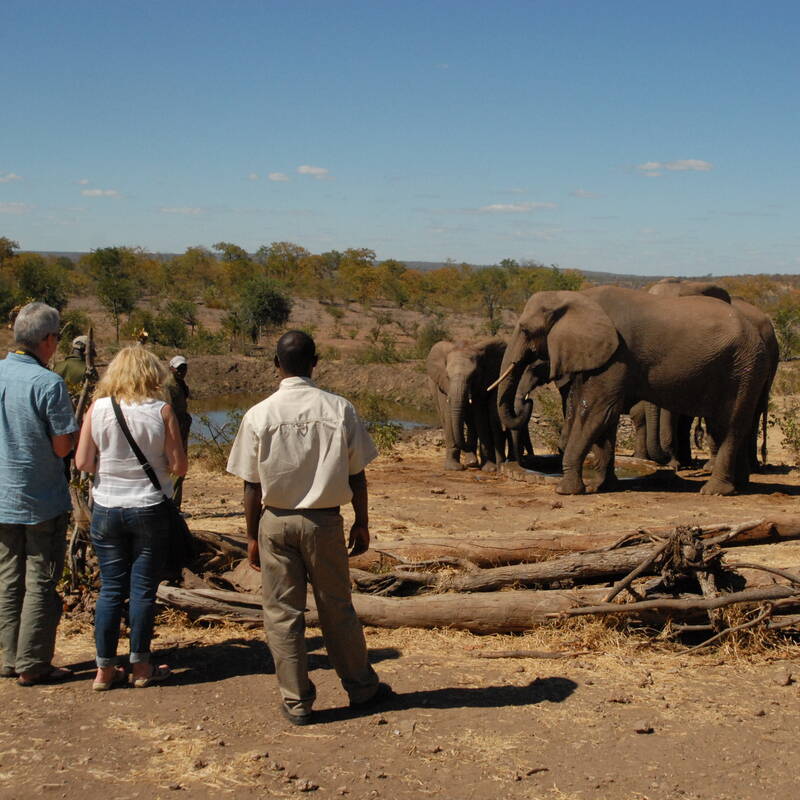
[134, 375]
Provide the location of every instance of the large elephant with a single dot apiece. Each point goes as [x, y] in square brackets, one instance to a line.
[460, 374]
[689, 355]
[668, 436]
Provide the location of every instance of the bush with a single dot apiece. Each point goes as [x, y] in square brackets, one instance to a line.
[427, 336]
[547, 406]
[373, 411]
[788, 420]
[214, 440]
[169, 330]
[207, 343]
[73, 323]
[384, 351]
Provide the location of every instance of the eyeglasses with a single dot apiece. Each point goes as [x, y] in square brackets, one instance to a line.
[57, 335]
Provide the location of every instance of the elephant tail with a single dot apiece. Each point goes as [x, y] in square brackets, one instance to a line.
[764, 436]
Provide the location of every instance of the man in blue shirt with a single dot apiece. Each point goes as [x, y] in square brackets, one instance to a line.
[37, 430]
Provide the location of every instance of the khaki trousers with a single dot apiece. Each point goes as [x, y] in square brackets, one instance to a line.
[31, 563]
[297, 546]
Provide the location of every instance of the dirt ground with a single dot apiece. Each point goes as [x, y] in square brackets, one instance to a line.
[724, 723]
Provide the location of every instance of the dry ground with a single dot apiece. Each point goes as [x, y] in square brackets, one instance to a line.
[723, 723]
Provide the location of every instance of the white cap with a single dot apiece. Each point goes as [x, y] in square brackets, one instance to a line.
[177, 361]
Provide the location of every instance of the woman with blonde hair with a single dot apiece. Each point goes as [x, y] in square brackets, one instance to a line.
[130, 519]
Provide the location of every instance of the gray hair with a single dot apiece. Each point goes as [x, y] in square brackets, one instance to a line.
[35, 322]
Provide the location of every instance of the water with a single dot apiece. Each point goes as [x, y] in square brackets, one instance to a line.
[217, 410]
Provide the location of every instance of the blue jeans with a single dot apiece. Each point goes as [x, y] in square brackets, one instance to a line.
[131, 545]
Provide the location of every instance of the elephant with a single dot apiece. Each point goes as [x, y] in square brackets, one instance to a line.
[460, 374]
[689, 355]
[668, 437]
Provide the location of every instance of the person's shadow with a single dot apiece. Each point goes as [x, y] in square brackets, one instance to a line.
[551, 690]
[236, 657]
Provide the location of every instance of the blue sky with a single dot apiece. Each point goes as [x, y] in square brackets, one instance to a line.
[640, 137]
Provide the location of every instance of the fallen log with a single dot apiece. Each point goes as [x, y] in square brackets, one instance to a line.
[585, 567]
[498, 612]
[543, 545]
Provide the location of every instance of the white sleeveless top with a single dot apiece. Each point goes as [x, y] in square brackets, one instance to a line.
[120, 481]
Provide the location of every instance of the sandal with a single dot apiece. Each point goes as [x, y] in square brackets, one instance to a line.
[103, 686]
[53, 675]
[158, 675]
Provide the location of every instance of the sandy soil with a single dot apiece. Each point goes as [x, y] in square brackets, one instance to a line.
[723, 724]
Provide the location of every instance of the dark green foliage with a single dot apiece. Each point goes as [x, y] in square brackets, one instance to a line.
[39, 279]
[112, 270]
[427, 336]
[73, 323]
[261, 306]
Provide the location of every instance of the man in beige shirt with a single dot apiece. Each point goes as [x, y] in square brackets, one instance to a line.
[302, 453]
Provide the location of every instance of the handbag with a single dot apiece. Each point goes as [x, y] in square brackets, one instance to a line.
[181, 543]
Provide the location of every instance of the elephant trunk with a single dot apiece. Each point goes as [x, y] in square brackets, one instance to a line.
[516, 355]
[464, 436]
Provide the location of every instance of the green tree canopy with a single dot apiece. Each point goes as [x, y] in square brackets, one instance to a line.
[113, 271]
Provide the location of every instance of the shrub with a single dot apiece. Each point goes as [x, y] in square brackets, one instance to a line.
[383, 351]
[427, 336]
[788, 420]
[547, 406]
[206, 342]
[373, 411]
[73, 323]
[214, 440]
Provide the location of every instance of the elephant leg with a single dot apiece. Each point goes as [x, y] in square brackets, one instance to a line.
[727, 473]
[499, 438]
[684, 440]
[711, 438]
[638, 420]
[604, 462]
[668, 437]
[451, 452]
[480, 415]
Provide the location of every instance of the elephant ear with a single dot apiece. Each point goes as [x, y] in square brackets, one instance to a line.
[583, 337]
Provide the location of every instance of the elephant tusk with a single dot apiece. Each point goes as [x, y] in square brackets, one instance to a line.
[502, 377]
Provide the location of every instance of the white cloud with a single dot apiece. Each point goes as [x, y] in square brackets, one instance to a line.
[181, 210]
[320, 173]
[100, 193]
[15, 208]
[514, 208]
[583, 193]
[278, 176]
[253, 176]
[10, 176]
[653, 169]
[84, 182]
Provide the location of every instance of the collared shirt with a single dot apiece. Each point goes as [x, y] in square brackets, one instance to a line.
[301, 444]
[34, 406]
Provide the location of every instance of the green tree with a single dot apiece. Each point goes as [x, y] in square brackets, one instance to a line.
[358, 277]
[238, 267]
[7, 248]
[281, 261]
[489, 285]
[39, 279]
[262, 306]
[113, 272]
[185, 311]
[393, 286]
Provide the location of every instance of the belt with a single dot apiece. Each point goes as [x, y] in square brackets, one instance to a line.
[329, 510]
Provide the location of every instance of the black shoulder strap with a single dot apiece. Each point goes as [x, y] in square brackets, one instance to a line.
[149, 471]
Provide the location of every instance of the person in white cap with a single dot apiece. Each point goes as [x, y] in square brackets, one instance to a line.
[73, 368]
[178, 395]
